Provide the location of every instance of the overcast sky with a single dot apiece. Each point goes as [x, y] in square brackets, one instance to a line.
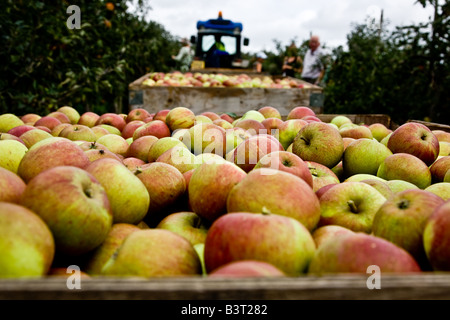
[285, 20]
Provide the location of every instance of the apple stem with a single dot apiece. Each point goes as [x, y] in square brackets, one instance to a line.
[306, 141]
[88, 192]
[403, 204]
[352, 206]
[265, 211]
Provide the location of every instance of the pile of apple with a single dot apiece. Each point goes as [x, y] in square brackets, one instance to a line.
[197, 79]
[175, 194]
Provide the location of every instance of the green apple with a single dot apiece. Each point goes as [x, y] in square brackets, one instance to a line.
[233, 137]
[72, 113]
[11, 186]
[339, 120]
[179, 157]
[73, 204]
[49, 153]
[78, 132]
[319, 142]
[209, 187]
[355, 132]
[128, 196]
[379, 131]
[405, 166]
[401, 220]
[202, 119]
[400, 185]
[381, 186]
[436, 238]
[162, 145]
[154, 253]
[269, 112]
[289, 131]
[286, 243]
[352, 205]
[441, 189]
[322, 175]
[88, 118]
[98, 257]
[254, 115]
[187, 224]
[364, 156]
[206, 137]
[12, 152]
[108, 127]
[115, 143]
[444, 148]
[9, 121]
[278, 192]
[355, 252]
[32, 137]
[223, 124]
[27, 246]
[363, 176]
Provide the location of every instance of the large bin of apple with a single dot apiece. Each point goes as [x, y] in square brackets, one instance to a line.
[220, 92]
[175, 204]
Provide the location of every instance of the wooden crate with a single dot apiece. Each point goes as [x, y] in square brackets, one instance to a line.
[220, 100]
[424, 286]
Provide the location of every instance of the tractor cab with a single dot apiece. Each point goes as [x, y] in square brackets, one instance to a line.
[218, 44]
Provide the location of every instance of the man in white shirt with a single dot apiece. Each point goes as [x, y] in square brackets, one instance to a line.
[313, 69]
[184, 56]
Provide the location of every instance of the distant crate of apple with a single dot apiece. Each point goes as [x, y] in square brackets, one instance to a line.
[222, 93]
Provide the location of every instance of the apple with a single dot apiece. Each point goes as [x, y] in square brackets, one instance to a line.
[154, 253]
[100, 131]
[162, 145]
[324, 189]
[401, 220]
[447, 176]
[269, 112]
[30, 118]
[253, 115]
[157, 128]
[161, 115]
[97, 258]
[180, 117]
[19, 130]
[73, 204]
[436, 238]
[7, 136]
[415, 139]
[288, 195]
[187, 224]
[71, 113]
[60, 127]
[209, 187]
[319, 142]
[441, 135]
[11, 186]
[347, 141]
[379, 131]
[355, 132]
[328, 233]
[355, 252]
[139, 114]
[273, 126]
[364, 156]
[246, 269]
[202, 119]
[179, 157]
[363, 176]
[78, 132]
[166, 186]
[340, 120]
[286, 244]
[206, 138]
[233, 137]
[211, 115]
[289, 131]
[227, 117]
[61, 116]
[252, 126]
[31, 137]
[288, 162]
[128, 196]
[114, 143]
[48, 122]
[321, 175]
[223, 123]
[444, 149]
[400, 185]
[12, 152]
[311, 119]
[385, 140]
[352, 205]
[27, 244]
[9, 121]
[133, 163]
[381, 186]
[405, 166]
[247, 154]
[112, 119]
[100, 153]
[441, 189]
[88, 118]
[131, 127]
[140, 147]
[108, 127]
[300, 112]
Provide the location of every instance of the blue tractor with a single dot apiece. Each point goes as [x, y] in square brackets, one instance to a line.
[218, 44]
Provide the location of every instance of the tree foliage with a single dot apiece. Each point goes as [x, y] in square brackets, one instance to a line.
[404, 73]
[46, 65]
